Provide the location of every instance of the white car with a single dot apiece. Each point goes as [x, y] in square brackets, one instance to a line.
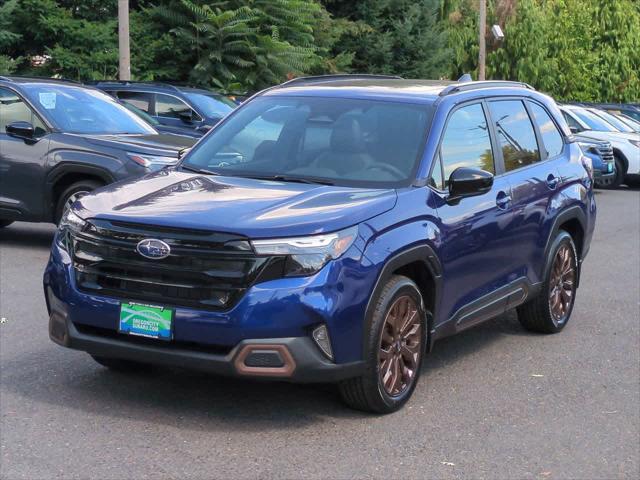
[626, 145]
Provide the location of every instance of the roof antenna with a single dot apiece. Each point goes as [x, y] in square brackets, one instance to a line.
[465, 78]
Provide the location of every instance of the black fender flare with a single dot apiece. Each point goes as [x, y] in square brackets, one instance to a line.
[72, 168]
[571, 213]
[625, 162]
[422, 253]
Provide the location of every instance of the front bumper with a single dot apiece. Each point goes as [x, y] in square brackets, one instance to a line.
[280, 313]
[300, 360]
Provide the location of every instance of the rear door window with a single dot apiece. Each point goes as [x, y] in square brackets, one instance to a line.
[516, 136]
[551, 137]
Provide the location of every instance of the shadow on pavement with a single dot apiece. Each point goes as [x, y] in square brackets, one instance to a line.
[26, 235]
[203, 402]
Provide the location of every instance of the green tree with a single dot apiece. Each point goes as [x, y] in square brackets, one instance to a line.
[400, 37]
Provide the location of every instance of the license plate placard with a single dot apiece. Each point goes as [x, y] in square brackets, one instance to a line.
[146, 320]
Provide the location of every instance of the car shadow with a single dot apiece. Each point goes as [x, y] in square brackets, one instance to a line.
[205, 402]
[25, 235]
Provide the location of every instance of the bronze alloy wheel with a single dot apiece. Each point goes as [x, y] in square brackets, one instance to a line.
[400, 346]
[562, 284]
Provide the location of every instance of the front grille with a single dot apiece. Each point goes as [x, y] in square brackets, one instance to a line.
[606, 152]
[204, 269]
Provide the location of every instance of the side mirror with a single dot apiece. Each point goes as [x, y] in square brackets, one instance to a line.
[182, 152]
[186, 116]
[574, 129]
[467, 182]
[23, 130]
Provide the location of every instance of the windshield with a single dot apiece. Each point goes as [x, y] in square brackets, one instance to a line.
[629, 121]
[86, 111]
[593, 121]
[329, 140]
[211, 105]
[619, 124]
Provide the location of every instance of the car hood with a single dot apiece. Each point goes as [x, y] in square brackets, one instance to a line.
[160, 144]
[255, 208]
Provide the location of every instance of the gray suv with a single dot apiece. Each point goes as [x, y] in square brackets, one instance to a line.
[59, 140]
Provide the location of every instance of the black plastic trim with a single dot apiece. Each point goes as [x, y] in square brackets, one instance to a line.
[311, 365]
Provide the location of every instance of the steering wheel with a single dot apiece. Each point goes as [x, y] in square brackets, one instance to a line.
[395, 171]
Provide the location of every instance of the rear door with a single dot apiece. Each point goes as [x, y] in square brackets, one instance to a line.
[531, 148]
[22, 162]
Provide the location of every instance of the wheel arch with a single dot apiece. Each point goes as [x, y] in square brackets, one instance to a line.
[420, 264]
[573, 221]
[62, 177]
[625, 162]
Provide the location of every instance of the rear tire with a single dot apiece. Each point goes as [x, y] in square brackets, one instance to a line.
[5, 223]
[550, 311]
[394, 350]
[71, 194]
[120, 365]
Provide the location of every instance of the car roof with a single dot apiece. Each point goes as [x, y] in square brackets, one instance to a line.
[385, 87]
[25, 80]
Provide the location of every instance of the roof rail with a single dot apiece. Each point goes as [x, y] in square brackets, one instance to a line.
[466, 86]
[335, 77]
[10, 78]
[132, 82]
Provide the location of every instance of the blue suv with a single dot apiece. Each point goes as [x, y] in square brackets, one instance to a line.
[331, 230]
[177, 109]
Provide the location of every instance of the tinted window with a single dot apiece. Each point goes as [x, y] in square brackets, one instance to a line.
[13, 109]
[593, 121]
[84, 110]
[572, 122]
[343, 141]
[551, 137]
[516, 136]
[619, 124]
[466, 142]
[137, 99]
[168, 106]
[212, 105]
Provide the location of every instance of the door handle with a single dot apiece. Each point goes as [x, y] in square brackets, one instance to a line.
[552, 181]
[503, 200]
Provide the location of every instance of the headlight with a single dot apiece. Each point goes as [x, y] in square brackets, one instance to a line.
[149, 160]
[307, 255]
[69, 223]
[635, 143]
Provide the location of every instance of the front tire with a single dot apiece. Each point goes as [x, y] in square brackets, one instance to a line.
[71, 194]
[550, 311]
[394, 350]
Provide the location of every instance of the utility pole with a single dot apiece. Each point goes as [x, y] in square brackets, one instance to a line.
[123, 40]
[482, 29]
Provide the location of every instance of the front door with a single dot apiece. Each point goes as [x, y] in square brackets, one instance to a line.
[22, 162]
[476, 244]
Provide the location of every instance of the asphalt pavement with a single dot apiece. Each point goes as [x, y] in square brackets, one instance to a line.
[494, 402]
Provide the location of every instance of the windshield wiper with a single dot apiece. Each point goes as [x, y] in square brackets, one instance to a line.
[286, 178]
[197, 170]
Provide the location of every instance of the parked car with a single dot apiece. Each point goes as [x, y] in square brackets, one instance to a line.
[157, 126]
[601, 155]
[60, 140]
[172, 105]
[634, 124]
[331, 230]
[626, 145]
[611, 119]
[630, 109]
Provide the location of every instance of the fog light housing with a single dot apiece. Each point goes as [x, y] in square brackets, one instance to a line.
[321, 337]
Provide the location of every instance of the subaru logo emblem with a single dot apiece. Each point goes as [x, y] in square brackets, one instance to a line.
[153, 249]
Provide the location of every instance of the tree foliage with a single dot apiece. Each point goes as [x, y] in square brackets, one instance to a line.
[572, 49]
